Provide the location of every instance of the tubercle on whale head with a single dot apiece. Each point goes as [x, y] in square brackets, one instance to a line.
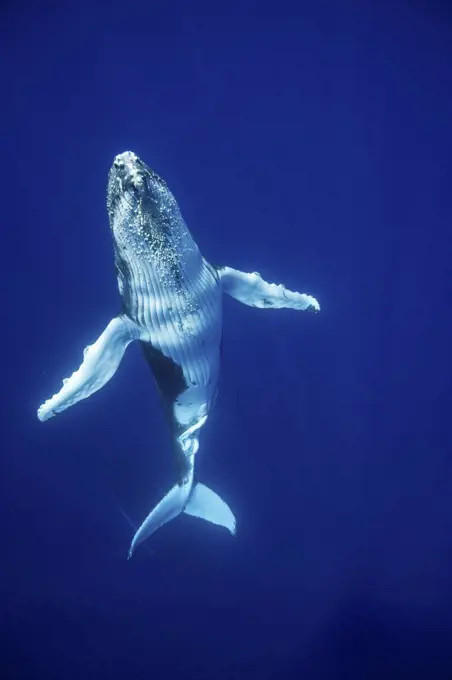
[146, 222]
[130, 177]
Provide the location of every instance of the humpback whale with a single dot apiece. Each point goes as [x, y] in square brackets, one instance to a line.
[172, 305]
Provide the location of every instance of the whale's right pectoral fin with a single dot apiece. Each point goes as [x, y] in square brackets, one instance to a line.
[100, 362]
[252, 290]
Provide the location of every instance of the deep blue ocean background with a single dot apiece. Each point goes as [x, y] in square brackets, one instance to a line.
[310, 142]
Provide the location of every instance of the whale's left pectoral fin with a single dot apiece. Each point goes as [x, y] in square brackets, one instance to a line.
[252, 290]
[100, 362]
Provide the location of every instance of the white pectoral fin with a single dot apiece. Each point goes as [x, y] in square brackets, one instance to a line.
[100, 362]
[252, 290]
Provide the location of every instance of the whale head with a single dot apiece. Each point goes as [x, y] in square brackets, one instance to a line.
[149, 232]
[143, 212]
[133, 186]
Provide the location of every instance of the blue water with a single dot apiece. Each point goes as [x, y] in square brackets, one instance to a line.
[311, 144]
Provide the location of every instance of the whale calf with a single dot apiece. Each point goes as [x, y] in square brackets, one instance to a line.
[172, 305]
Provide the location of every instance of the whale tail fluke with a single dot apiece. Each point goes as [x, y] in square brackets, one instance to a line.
[198, 501]
[208, 505]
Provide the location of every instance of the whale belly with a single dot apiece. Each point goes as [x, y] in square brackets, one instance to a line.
[181, 323]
